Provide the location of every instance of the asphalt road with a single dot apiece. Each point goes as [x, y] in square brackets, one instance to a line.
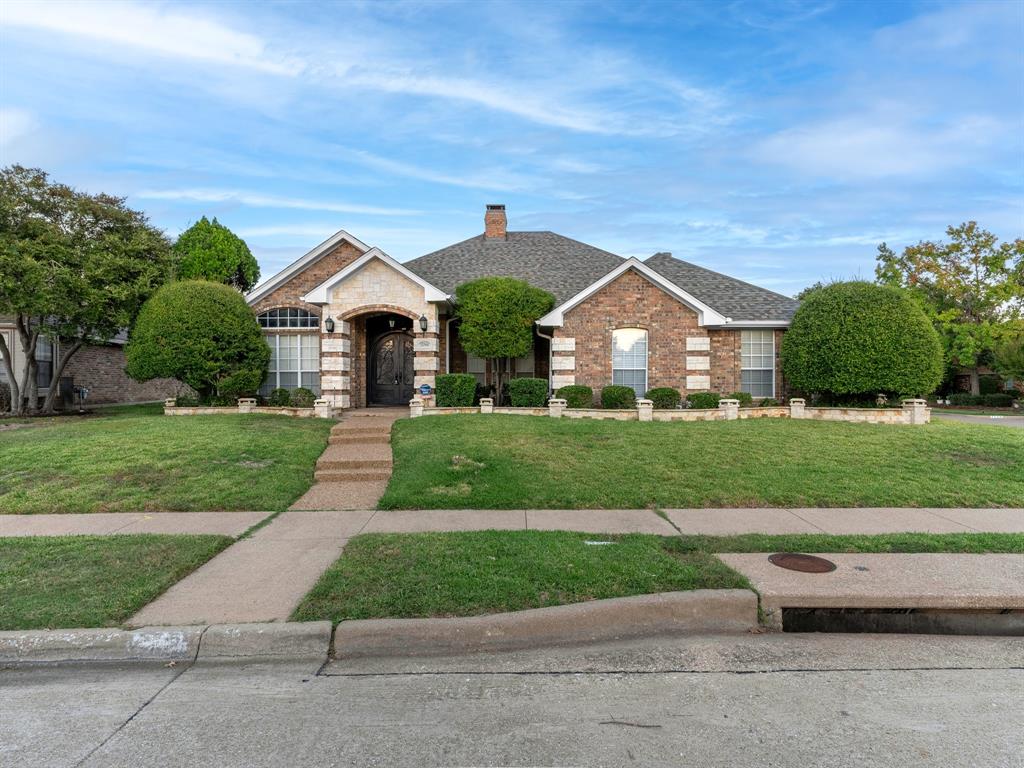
[807, 700]
[998, 421]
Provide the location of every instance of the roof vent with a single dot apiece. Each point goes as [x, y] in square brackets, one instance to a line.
[495, 224]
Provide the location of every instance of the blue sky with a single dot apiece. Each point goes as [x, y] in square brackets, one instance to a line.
[776, 141]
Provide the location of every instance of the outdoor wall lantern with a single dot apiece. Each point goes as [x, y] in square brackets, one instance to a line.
[423, 323]
[391, 322]
[329, 324]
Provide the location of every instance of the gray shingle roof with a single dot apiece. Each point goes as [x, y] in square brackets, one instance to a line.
[564, 267]
[729, 296]
[558, 264]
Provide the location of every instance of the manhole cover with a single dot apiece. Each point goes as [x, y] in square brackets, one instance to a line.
[805, 563]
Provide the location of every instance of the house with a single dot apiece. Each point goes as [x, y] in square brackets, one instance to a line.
[359, 328]
[99, 368]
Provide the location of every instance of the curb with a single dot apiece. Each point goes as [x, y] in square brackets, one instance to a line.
[667, 613]
[295, 640]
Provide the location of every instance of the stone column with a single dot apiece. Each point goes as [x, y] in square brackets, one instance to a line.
[415, 408]
[645, 410]
[322, 408]
[730, 407]
[916, 411]
[563, 362]
[796, 408]
[555, 407]
[170, 402]
[426, 346]
[336, 365]
[486, 405]
[246, 404]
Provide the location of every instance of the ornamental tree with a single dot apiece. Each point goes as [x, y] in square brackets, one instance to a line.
[210, 251]
[497, 317]
[74, 268]
[856, 338]
[968, 286]
[201, 333]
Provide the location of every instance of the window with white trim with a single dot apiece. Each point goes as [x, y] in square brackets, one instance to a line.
[44, 362]
[525, 366]
[478, 367]
[3, 369]
[757, 363]
[629, 359]
[288, 317]
[294, 362]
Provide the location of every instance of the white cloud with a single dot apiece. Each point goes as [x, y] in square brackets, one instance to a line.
[14, 124]
[257, 200]
[161, 30]
[492, 179]
[877, 145]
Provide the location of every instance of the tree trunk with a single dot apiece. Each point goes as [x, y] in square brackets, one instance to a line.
[51, 395]
[28, 337]
[975, 382]
[12, 382]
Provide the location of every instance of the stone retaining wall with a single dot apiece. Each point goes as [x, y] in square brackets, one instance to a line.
[912, 412]
[321, 409]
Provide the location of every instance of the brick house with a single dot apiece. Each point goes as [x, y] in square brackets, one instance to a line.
[358, 328]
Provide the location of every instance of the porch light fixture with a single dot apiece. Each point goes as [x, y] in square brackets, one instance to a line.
[329, 324]
[391, 322]
[423, 323]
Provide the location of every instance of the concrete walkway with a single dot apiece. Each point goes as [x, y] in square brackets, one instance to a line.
[1009, 420]
[353, 472]
[106, 523]
[261, 578]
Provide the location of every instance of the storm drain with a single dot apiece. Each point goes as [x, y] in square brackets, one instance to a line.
[911, 621]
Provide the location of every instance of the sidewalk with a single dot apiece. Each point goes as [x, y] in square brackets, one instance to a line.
[107, 523]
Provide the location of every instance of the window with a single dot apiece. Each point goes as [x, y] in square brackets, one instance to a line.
[288, 317]
[3, 369]
[294, 362]
[478, 367]
[524, 366]
[44, 359]
[629, 359]
[757, 363]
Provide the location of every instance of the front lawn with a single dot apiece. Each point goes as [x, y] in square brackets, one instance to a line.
[519, 462]
[137, 459]
[92, 581]
[479, 572]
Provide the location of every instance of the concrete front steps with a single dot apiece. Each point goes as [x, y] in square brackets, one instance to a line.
[353, 471]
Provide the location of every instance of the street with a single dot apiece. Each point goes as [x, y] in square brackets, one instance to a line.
[780, 700]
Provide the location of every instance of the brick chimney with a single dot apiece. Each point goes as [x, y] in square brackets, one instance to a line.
[494, 221]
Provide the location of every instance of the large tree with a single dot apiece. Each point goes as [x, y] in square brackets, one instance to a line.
[858, 339]
[201, 333]
[497, 318]
[210, 251]
[969, 287]
[74, 268]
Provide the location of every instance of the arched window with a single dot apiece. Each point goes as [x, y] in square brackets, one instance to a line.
[288, 317]
[629, 359]
[294, 357]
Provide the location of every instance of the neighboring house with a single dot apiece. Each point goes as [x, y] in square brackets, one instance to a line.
[99, 368]
[660, 322]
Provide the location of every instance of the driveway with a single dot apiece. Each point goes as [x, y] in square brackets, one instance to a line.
[1001, 421]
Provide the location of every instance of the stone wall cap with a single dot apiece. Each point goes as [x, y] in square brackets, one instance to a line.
[557, 401]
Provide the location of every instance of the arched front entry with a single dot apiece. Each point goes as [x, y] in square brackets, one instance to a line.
[391, 371]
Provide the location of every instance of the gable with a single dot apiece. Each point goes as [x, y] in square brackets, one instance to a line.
[381, 273]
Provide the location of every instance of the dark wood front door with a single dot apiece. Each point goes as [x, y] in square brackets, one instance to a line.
[391, 369]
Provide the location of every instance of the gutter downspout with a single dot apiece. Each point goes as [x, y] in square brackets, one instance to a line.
[550, 339]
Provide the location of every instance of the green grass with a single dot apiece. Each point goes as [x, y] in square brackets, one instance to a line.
[92, 581]
[134, 458]
[478, 572]
[516, 462]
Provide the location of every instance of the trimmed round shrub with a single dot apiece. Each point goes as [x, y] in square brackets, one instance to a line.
[576, 396]
[280, 398]
[201, 333]
[455, 390]
[703, 399]
[964, 398]
[664, 397]
[617, 397]
[998, 400]
[528, 393]
[767, 402]
[745, 398]
[857, 338]
[302, 398]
